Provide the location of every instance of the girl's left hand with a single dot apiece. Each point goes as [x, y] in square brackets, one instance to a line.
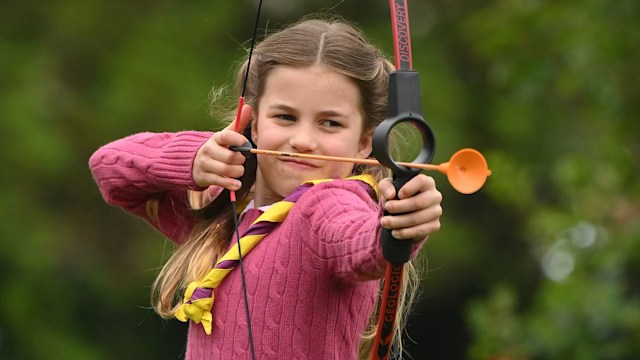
[417, 205]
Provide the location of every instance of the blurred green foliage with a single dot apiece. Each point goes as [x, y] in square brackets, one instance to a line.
[541, 264]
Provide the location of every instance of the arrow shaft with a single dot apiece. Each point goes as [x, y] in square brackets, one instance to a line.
[341, 159]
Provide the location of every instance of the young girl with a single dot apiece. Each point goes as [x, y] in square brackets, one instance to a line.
[313, 281]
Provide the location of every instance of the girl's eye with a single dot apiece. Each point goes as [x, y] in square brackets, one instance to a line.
[285, 117]
[331, 123]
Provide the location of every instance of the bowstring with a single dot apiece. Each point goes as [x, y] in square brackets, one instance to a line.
[233, 198]
[253, 43]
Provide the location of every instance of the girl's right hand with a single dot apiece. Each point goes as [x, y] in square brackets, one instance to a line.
[215, 164]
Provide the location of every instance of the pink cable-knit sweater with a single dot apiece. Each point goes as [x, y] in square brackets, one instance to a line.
[312, 282]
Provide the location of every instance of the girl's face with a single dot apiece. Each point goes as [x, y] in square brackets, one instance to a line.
[311, 110]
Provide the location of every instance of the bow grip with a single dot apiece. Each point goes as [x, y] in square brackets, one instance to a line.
[394, 250]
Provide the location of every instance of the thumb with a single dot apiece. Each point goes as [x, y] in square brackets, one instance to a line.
[386, 188]
[241, 120]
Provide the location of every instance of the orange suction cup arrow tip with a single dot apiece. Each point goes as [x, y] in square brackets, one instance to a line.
[467, 171]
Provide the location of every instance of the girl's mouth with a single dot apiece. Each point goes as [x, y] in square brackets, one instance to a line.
[299, 163]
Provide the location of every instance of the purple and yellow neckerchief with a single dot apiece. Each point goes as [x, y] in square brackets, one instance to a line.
[199, 297]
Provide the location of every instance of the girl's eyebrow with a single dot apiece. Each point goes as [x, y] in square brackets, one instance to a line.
[332, 113]
[282, 107]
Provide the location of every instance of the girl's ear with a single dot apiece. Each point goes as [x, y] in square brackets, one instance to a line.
[254, 128]
[365, 146]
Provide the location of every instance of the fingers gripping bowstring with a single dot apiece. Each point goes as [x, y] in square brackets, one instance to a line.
[232, 194]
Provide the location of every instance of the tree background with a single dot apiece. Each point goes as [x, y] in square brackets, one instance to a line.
[542, 263]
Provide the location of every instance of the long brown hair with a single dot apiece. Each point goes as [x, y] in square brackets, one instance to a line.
[329, 43]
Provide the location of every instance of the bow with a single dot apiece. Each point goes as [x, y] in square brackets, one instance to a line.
[404, 105]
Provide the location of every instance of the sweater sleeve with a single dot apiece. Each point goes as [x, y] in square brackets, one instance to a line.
[131, 171]
[342, 225]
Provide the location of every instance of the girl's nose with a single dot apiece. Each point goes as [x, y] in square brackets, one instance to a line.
[303, 139]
